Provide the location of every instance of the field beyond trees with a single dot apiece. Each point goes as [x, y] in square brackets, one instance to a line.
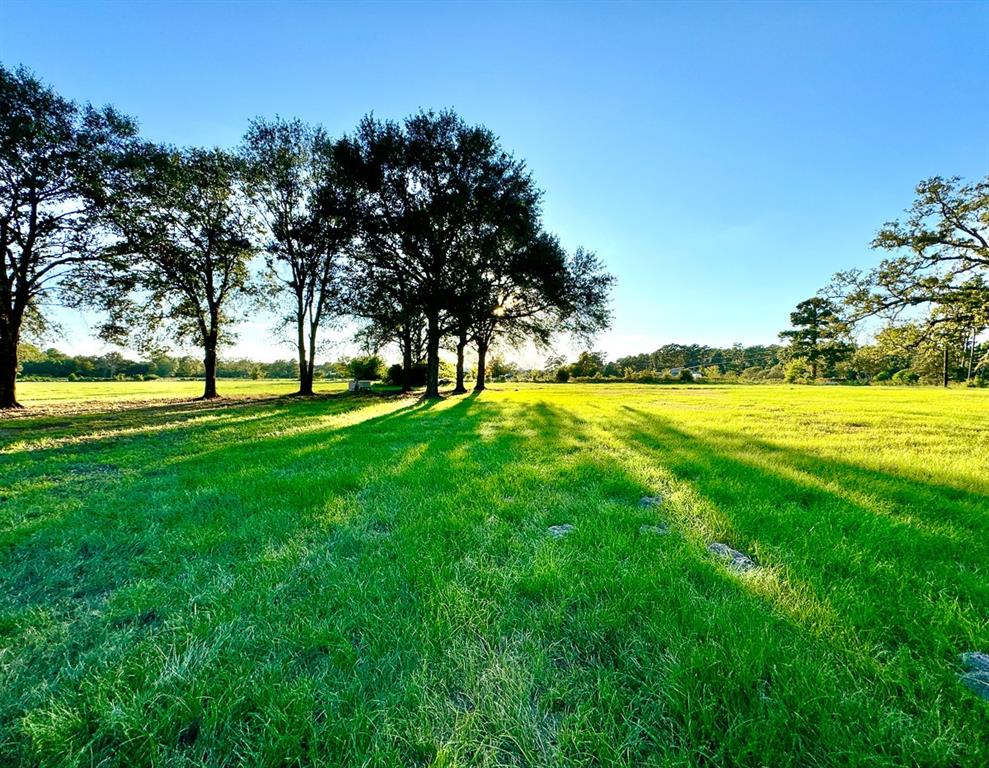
[371, 580]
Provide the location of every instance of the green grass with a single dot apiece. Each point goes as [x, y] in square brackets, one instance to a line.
[365, 581]
[34, 393]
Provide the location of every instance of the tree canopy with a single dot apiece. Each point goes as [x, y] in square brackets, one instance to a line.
[183, 258]
[818, 335]
[288, 169]
[60, 164]
[447, 229]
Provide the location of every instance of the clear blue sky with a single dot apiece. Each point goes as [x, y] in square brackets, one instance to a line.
[724, 159]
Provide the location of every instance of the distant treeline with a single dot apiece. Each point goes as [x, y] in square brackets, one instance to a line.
[669, 363]
[54, 364]
[899, 355]
[735, 359]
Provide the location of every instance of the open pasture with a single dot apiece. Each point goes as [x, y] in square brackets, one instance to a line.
[372, 580]
[84, 395]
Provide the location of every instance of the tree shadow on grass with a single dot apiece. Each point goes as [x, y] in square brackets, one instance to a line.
[386, 592]
[293, 517]
[128, 419]
[903, 562]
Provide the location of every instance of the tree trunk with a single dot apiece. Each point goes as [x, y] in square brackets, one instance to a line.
[209, 363]
[305, 375]
[461, 346]
[482, 353]
[945, 367]
[305, 380]
[971, 359]
[406, 360]
[432, 357]
[8, 371]
[311, 370]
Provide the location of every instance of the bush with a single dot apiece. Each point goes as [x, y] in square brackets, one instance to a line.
[752, 373]
[797, 372]
[563, 375]
[365, 367]
[73, 376]
[394, 375]
[906, 376]
[686, 375]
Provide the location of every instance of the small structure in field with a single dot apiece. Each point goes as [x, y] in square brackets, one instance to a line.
[357, 385]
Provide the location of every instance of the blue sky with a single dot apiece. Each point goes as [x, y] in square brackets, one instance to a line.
[724, 159]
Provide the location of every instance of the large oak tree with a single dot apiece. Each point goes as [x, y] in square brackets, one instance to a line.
[289, 168]
[938, 252]
[59, 165]
[183, 264]
[418, 192]
[535, 291]
[935, 279]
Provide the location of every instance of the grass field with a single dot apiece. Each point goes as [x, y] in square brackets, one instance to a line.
[81, 393]
[369, 581]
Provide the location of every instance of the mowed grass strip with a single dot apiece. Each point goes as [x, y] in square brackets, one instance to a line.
[371, 581]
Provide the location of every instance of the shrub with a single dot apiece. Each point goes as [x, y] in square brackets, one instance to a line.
[752, 373]
[562, 375]
[686, 375]
[394, 375]
[906, 376]
[797, 372]
[368, 367]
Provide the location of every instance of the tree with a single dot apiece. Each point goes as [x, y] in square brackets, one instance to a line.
[588, 364]
[942, 255]
[876, 361]
[59, 163]
[391, 315]
[108, 365]
[538, 291]
[28, 353]
[553, 363]
[368, 367]
[798, 371]
[501, 368]
[500, 277]
[406, 200]
[428, 196]
[818, 334]
[183, 261]
[290, 181]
